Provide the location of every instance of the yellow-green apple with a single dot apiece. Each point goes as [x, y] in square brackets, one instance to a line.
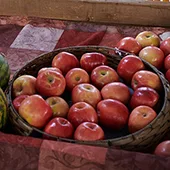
[116, 90]
[167, 62]
[17, 101]
[165, 46]
[103, 75]
[144, 96]
[59, 127]
[76, 76]
[86, 92]
[49, 68]
[148, 38]
[167, 75]
[153, 55]
[58, 105]
[25, 84]
[35, 110]
[146, 78]
[82, 112]
[88, 131]
[113, 114]
[129, 44]
[129, 65]
[65, 61]
[140, 117]
[50, 83]
[163, 149]
[89, 61]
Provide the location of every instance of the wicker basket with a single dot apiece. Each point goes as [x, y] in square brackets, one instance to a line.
[139, 141]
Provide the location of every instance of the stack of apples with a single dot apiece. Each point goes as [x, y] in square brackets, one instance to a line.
[78, 99]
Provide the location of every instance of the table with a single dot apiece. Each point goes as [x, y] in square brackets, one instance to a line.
[23, 39]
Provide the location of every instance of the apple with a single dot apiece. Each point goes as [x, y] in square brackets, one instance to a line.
[146, 78]
[86, 92]
[165, 46]
[65, 61]
[89, 61]
[148, 38]
[50, 83]
[116, 90]
[88, 131]
[103, 75]
[140, 117]
[76, 76]
[167, 75]
[129, 44]
[153, 55]
[59, 127]
[17, 101]
[82, 112]
[113, 114]
[167, 62]
[35, 111]
[144, 96]
[49, 68]
[25, 84]
[58, 105]
[163, 148]
[126, 67]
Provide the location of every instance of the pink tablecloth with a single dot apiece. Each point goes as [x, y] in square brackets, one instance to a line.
[22, 39]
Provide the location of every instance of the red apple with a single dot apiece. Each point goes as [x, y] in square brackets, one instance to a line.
[17, 101]
[126, 67]
[88, 131]
[103, 75]
[59, 127]
[76, 76]
[82, 112]
[91, 60]
[65, 61]
[58, 105]
[116, 90]
[112, 114]
[86, 92]
[167, 62]
[167, 75]
[50, 83]
[35, 111]
[144, 96]
[49, 68]
[163, 148]
[129, 44]
[140, 117]
[146, 78]
[165, 46]
[148, 38]
[24, 84]
[153, 55]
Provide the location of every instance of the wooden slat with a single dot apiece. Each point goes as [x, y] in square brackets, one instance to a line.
[101, 11]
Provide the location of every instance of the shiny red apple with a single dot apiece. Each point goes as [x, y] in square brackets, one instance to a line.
[167, 75]
[49, 68]
[128, 66]
[140, 117]
[59, 127]
[89, 131]
[167, 62]
[113, 114]
[165, 46]
[35, 111]
[103, 75]
[86, 92]
[89, 61]
[65, 61]
[76, 76]
[50, 83]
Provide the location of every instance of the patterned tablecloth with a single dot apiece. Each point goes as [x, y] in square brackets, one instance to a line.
[22, 39]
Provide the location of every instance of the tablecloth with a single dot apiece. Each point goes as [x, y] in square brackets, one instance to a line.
[23, 39]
